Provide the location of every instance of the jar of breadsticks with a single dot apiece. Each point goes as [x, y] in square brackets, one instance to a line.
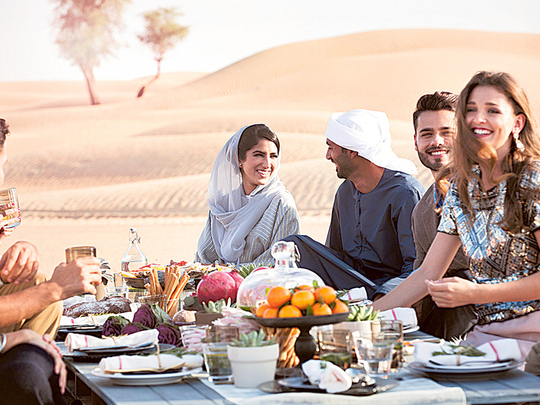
[286, 338]
[175, 282]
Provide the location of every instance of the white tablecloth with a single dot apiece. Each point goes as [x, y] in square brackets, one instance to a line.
[409, 391]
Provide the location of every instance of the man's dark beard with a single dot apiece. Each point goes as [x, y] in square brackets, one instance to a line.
[435, 166]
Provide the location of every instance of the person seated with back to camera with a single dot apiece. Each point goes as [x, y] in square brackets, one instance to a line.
[31, 367]
[250, 209]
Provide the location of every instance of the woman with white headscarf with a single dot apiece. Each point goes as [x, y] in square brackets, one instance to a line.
[250, 209]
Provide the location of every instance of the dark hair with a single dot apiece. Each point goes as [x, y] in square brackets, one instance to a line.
[251, 137]
[4, 131]
[469, 151]
[440, 100]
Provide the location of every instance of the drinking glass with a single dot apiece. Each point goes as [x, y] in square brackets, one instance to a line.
[217, 363]
[221, 333]
[375, 356]
[75, 252]
[160, 300]
[113, 290]
[9, 200]
[392, 331]
[336, 346]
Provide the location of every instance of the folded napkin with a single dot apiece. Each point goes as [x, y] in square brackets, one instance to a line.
[356, 294]
[118, 364]
[97, 320]
[327, 376]
[406, 315]
[76, 341]
[495, 351]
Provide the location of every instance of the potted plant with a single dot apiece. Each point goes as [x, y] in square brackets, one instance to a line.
[253, 359]
[361, 319]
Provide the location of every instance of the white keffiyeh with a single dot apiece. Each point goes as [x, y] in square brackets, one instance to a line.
[233, 214]
[368, 133]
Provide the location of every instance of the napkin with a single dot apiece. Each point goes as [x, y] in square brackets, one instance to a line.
[356, 294]
[97, 320]
[495, 351]
[406, 315]
[148, 363]
[327, 376]
[76, 341]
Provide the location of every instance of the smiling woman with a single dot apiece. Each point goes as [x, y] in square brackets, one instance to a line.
[250, 209]
[493, 209]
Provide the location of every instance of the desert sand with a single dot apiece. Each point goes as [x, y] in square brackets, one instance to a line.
[85, 174]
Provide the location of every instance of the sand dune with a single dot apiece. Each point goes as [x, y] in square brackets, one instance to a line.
[81, 169]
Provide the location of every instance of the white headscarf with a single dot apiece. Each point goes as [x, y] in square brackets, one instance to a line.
[368, 133]
[233, 214]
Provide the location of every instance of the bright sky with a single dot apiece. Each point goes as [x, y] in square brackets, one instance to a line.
[225, 31]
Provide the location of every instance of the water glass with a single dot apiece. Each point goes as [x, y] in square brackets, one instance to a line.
[221, 333]
[75, 252]
[160, 300]
[217, 363]
[335, 346]
[9, 200]
[374, 356]
[392, 331]
[121, 291]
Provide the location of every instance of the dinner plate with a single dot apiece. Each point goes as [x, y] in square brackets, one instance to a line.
[96, 357]
[145, 379]
[465, 369]
[410, 328]
[298, 384]
[114, 350]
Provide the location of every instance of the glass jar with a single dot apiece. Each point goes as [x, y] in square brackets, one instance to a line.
[253, 290]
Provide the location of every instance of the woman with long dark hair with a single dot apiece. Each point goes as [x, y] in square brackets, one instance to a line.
[492, 208]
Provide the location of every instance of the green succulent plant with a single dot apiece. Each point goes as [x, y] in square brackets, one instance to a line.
[253, 339]
[216, 307]
[362, 313]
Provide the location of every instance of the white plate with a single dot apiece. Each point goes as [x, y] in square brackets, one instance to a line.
[465, 369]
[144, 379]
[410, 328]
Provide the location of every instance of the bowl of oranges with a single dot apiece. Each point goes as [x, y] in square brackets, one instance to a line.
[301, 305]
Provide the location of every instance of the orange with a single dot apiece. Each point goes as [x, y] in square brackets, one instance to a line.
[340, 307]
[302, 298]
[321, 309]
[278, 296]
[271, 313]
[261, 309]
[289, 311]
[306, 287]
[326, 294]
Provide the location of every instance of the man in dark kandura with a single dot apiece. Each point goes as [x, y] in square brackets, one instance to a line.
[370, 241]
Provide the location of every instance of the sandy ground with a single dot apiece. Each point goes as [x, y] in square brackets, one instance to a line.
[85, 174]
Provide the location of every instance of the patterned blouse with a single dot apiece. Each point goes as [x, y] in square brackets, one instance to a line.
[278, 221]
[497, 256]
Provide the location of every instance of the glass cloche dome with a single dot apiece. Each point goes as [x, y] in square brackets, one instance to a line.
[285, 273]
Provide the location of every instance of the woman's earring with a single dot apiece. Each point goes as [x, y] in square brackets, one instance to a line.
[240, 165]
[519, 144]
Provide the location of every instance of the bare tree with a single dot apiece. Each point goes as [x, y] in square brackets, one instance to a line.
[86, 33]
[162, 33]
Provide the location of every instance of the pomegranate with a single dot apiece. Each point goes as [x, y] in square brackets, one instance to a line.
[237, 279]
[215, 286]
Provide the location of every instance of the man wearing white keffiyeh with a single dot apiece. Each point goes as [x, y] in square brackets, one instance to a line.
[369, 242]
[250, 209]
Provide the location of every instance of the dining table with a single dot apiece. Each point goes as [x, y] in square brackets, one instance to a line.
[411, 387]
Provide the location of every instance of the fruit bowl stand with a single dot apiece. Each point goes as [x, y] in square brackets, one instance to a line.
[305, 346]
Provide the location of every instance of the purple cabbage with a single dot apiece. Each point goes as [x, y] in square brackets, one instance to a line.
[113, 325]
[145, 316]
[169, 334]
[133, 327]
